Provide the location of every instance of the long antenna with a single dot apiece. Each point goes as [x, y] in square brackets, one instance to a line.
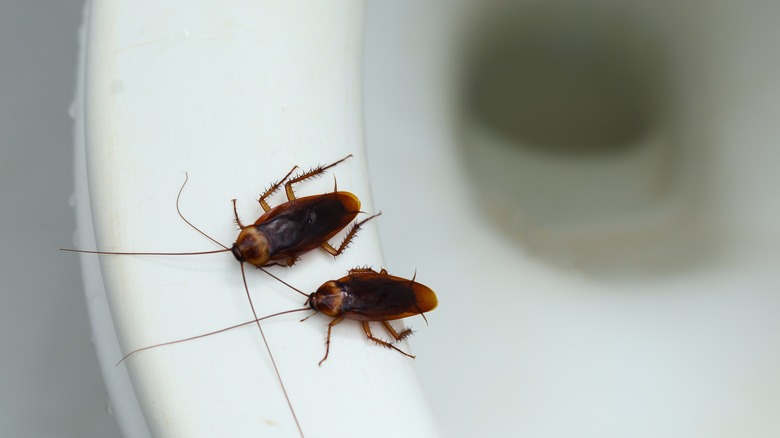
[286, 283]
[178, 196]
[145, 253]
[191, 338]
[270, 354]
[246, 288]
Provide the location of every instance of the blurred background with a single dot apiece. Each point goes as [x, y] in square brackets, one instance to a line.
[590, 187]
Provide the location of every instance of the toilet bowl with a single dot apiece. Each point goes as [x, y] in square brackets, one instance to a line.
[591, 189]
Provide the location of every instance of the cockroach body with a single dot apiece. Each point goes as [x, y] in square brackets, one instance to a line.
[367, 295]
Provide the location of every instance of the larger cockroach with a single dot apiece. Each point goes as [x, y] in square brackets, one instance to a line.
[363, 295]
[299, 225]
[287, 231]
[283, 233]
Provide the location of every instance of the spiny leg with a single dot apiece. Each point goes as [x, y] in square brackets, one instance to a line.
[272, 189]
[235, 212]
[405, 333]
[268, 348]
[361, 271]
[327, 340]
[367, 329]
[348, 238]
[366, 270]
[310, 174]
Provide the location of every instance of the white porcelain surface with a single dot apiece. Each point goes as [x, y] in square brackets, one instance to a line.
[234, 94]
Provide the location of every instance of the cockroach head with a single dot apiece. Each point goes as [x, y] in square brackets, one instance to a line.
[328, 299]
[252, 246]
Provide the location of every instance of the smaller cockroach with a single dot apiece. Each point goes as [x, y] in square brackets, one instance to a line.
[366, 295]
[363, 295]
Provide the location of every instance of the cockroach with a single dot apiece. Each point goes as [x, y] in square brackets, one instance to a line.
[283, 233]
[287, 231]
[366, 295]
[363, 295]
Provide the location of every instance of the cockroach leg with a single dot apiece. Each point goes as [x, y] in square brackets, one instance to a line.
[235, 212]
[327, 339]
[367, 329]
[304, 319]
[306, 175]
[358, 271]
[405, 333]
[272, 189]
[348, 238]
